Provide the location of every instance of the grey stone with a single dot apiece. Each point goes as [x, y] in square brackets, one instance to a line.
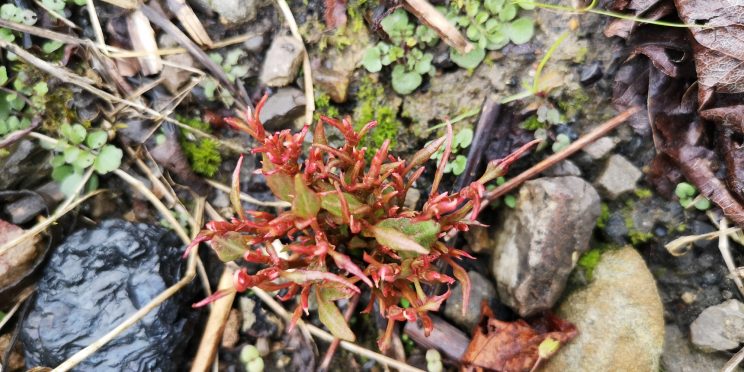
[719, 327]
[619, 316]
[563, 168]
[590, 73]
[480, 289]
[26, 165]
[541, 239]
[618, 177]
[412, 198]
[680, 356]
[282, 108]
[282, 61]
[233, 11]
[599, 148]
[25, 208]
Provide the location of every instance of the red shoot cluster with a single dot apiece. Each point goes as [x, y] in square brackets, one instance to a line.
[347, 230]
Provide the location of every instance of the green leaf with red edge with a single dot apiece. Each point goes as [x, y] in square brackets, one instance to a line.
[280, 183]
[306, 203]
[332, 203]
[229, 246]
[396, 240]
[332, 318]
[423, 232]
[334, 291]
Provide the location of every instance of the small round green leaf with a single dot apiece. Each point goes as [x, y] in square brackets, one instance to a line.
[684, 190]
[371, 60]
[494, 6]
[468, 60]
[70, 183]
[508, 12]
[84, 160]
[71, 154]
[405, 82]
[96, 139]
[521, 30]
[464, 137]
[458, 166]
[108, 159]
[510, 201]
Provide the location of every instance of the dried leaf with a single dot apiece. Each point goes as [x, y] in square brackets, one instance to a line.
[513, 346]
[19, 261]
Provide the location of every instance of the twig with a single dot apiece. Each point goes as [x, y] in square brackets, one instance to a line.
[307, 73]
[431, 17]
[218, 315]
[247, 198]
[334, 345]
[78, 357]
[551, 160]
[734, 362]
[125, 4]
[10, 313]
[12, 137]
[723, 246]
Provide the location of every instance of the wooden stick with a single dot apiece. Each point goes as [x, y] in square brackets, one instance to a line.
[189, 21]
[431, 17]
[551, 160]
[210, 341]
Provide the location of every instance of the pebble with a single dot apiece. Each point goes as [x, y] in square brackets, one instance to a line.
[481, 289]
[618, 177]
[282, 61]
[563, 168]
[620, 319]
[719, 327]
[600, 148]
[282, 108]
[233, 11]
[590, 73]
[530, 265]
[680, 356]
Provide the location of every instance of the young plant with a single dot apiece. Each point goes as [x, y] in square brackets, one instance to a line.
[234, 71]
[688, 196]
[490, 25]
[78, 150]
[460, 141]
[348, 229]
[404, 51]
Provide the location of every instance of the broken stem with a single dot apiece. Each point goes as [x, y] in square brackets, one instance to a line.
[723, 246]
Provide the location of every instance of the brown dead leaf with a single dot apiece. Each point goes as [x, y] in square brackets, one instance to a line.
[335, 13]
[512, 346]
[719, 47]
[20, 260]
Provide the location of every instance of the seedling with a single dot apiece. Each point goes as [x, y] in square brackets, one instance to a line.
[79, 149]
[404, 52]
[234, 71]
[461, 141]
[688, 196]
[490, 25]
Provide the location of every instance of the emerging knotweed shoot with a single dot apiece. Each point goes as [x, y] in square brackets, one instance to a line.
[347, 229]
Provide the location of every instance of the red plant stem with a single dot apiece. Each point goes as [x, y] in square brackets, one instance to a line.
[551, 160]
[336, 341]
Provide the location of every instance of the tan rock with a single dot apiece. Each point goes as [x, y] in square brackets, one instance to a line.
[620, 319]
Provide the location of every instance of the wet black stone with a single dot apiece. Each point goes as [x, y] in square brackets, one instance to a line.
[590, 73]
[93, 281]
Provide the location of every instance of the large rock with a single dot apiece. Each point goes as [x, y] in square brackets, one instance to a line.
[481, 290]
[540, 240]
[619, 316]
[96, 279]
[680, 356]
[719, 327]
[282, 61]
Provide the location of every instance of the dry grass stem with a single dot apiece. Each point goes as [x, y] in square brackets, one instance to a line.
[189, 21]
[125, 4]
[96, 24]
[723, 246]
[680, 246]
[431, 17]
[142, 37]
[307, 73]
[56, 15]
[249, 199]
